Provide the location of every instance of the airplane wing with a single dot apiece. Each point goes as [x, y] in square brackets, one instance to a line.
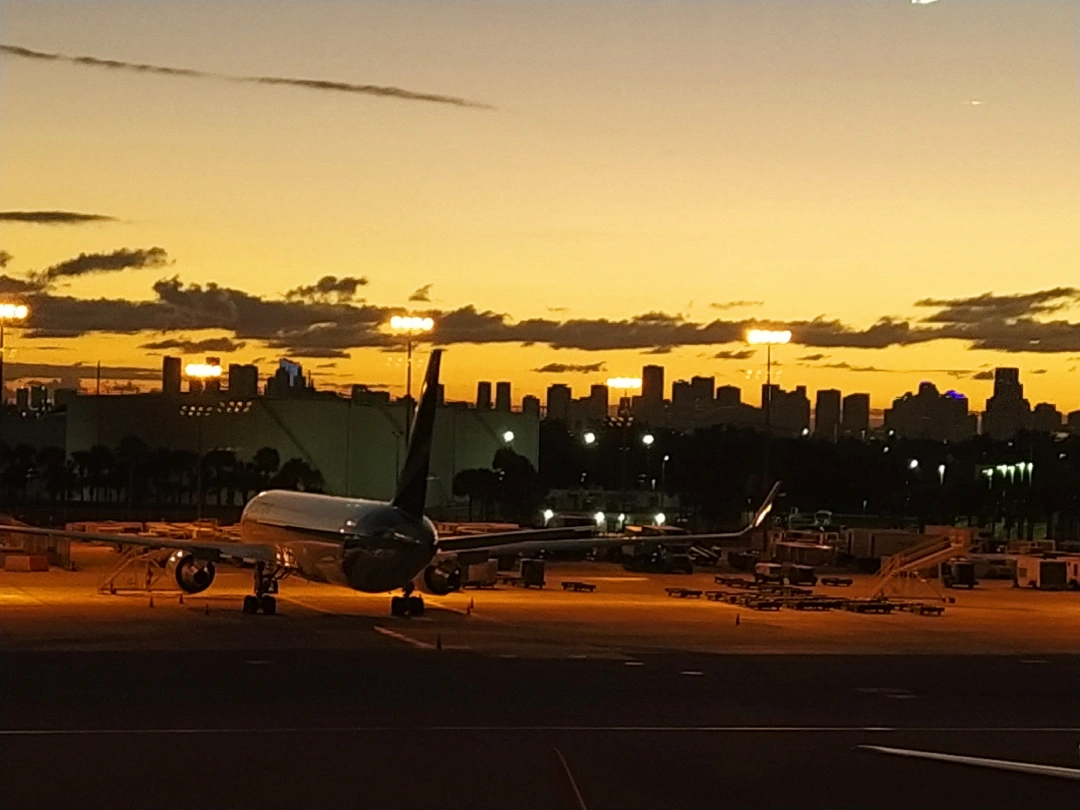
[523, 541]
[213, 550]
[760, 516]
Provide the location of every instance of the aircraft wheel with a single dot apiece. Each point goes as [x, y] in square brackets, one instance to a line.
[399, 606]
[251, 604]
[268, 605]
[415, 605]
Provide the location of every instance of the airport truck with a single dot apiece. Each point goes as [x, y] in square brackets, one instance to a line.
[1048, 573]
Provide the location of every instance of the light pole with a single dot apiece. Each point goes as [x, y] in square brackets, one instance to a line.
[8, 312]
[648, 440]
[200, 372]
[409, 325]
[768, 338]
[663, 481]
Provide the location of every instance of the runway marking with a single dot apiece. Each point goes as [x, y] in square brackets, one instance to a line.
[422, 645]
[633, 663]
[691, 672]
[91, 732]
[982, 762]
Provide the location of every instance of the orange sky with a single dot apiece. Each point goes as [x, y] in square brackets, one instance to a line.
[826, 159]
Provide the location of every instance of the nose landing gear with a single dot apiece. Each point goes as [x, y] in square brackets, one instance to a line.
[407, 604]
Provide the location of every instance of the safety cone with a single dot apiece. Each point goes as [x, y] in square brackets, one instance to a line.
[181, 599]
[206, 609]
[736, 619]
[438, 642]
[151, 601]
[472, 604]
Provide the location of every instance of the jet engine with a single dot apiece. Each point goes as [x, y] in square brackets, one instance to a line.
[441, 580]
[191, 575]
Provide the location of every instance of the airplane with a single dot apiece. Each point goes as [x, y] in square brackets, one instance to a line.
[370, 546]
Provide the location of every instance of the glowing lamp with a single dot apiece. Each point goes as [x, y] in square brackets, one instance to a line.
[202, 371]
[766, 336]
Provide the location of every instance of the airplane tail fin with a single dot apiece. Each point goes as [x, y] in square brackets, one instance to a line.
[412, 486]
[763, 511]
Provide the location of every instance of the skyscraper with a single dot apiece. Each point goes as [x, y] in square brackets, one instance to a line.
[827, 414]
[502, 396]
[170, 375]
[558, 402]
[1007, 412]
[243, 380]
[483, 396]
[702, 388]
[652, 384]
[856, 415]
[213, 383]
[530, 405]
[728, 396]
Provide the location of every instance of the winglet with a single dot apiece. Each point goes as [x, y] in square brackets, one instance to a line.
[412, 486]
[766, 507]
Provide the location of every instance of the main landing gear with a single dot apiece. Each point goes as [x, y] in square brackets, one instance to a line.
[266, 584]
[407, 605]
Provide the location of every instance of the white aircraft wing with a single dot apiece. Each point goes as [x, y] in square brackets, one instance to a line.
[204, 549]
[522, 541]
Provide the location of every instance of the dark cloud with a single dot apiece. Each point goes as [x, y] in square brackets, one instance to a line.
[1039, 371]
[813, 358]
[558, 309]
[70, 375]
[983, 375]
[187, 346]
[17, 286]
[306, 84]
[849, 367]
[567, 368]
[734, 354]
[423, 294]
[52, 217]
[329, 288]
[5, 258]
[736, 304]
[87, 263]
[981, 308]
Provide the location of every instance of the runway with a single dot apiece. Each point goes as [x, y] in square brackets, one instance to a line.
[390, 727]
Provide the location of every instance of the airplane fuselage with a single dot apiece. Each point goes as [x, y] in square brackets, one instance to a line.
[369, 546]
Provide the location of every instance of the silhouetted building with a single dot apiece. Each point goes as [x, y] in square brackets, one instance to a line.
[598, 396]
[502, 396]
[288, 380]
[39, 398]
[790, 410]
[530, 405]
[213, 383]
[170, 375]
[931, 415]
[827, 414]
[682, 394]
[856, 415]
[728, 396]
[1074, 422]
[1045, 418]
[365, 395]
[1007, 412]
[243, 380]
[702, 388]
[652, 385]
[22, 399]
[483, 396]
[62, 397]
[558, 402]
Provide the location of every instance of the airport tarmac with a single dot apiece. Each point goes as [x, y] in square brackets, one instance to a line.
[108, 702]
[628, 614]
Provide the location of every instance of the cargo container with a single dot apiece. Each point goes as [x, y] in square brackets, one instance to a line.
[1045, 573]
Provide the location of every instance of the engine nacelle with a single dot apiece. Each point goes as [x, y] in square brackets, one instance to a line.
[191, 574]
[441, 581]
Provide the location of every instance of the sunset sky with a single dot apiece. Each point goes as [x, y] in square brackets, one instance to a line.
[576, 184]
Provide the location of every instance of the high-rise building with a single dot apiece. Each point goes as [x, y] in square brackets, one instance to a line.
[502, 396]
[827, 414]
[213, 383]
[728, 396]
[929, 414]
[243, 380]
[288, 380]
[682, 394]
[558, 402]
[652, 384]
[530, 405]
[361, 393]
[39, 397]
[790, 410]
[1007, 412]
[22, 399]
[855, 421]
[702, 388]
[1045, 418]
[170, 375]
[1073, 422]
[483, 396]
[599, 402]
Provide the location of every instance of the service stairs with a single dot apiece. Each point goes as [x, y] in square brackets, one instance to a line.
[902, 574]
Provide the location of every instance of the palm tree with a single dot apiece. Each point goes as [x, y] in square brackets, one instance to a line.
[266, 462]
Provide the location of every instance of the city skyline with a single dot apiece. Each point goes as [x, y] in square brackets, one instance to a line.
[907, 209]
